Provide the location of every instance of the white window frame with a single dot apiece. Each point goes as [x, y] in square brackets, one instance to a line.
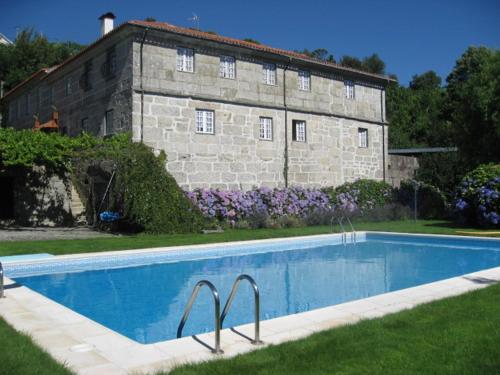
[269, 74]
[362, 138]
[299, 130]
[205, 121]
[227, 67]
[185, 60]
[266, 128]
[350, 92]
[304, 80]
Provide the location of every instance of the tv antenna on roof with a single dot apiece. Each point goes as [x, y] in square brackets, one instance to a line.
[196, 21]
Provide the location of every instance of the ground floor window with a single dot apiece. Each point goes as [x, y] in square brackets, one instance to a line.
[108, 123]
[362, 137]
[205, 121]
[299, 131]
[266, 128]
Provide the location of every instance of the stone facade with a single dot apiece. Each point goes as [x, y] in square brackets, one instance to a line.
[149, 96]
[400, 168]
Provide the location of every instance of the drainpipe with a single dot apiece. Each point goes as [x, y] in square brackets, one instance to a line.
[382, 115]
[142, 89]
[285, 168]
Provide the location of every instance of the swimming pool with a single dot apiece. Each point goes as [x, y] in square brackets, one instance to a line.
[143, 295]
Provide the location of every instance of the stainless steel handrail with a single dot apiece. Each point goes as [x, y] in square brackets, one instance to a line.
[227, 306]
[339, 221]
[189, 305]
[1, 281]
[353, 233]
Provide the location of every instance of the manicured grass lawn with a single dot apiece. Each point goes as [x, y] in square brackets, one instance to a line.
[147, 240]
[460, 335]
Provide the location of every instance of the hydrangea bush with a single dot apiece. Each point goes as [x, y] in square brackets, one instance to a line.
[477, 199]
[232, 206]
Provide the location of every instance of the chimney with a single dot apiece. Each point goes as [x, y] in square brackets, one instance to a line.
[106, 23]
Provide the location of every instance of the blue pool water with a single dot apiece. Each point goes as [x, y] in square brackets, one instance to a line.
[145, 302]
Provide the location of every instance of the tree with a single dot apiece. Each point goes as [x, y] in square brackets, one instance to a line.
[319, 54]
[31, 52]
[473, 105]
[373, 64]
[351, 62]
[250, 40]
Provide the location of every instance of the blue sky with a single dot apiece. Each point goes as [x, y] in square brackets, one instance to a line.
[410, 36]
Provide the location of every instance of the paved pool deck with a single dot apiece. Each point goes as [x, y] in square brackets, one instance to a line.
[89, 348]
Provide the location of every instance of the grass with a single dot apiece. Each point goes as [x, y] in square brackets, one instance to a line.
[19, 355]
[459, 335]
[59, 247]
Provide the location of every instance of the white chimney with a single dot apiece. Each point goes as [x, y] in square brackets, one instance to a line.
[106, 23]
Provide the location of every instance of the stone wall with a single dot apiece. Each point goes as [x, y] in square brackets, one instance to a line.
[41, 198]
[76, 104]
[235, 158]
[401, 167]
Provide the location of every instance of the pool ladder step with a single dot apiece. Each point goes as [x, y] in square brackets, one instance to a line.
[342, 228]
[218, 317]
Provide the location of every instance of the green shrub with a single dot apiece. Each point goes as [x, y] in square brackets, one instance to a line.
[431, 202]
[477, 197]
[366, 194]
[146, 194]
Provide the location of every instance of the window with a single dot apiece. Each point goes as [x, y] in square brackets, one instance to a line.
[185, 60]
[304, 80]
[85, 77]
[269, 74]
[108, 122]
[299, 131]
[204, 121]
[85, 124]
[108, 68]
[349, 89]
[363, 137]
[227, 67]
[266, 128]
[25, 109]
[68, 88]
[12, 110]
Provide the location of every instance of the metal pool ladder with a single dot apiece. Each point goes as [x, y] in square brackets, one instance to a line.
[189, 306]
[227, 306]
[1, 281]
[344, 233]
[219, 318]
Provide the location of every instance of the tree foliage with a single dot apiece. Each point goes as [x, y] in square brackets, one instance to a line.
[31, 52]
[473, 105]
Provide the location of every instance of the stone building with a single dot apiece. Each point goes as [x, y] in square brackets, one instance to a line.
[229, 113]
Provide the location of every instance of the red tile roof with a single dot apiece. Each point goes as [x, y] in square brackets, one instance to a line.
[259, 47]
[163, 26]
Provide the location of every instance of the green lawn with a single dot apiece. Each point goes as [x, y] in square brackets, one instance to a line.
[148, 240]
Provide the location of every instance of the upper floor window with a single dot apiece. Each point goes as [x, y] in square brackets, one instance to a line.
[349, 89]
[185, 60]
[266, 128]
[108, 123]
[108, 68]
[362, 137]
[304, 80]
[68, 87]
[205, 121]
[84, 82]
[269, 74]
[299, 131]
[227, 67]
